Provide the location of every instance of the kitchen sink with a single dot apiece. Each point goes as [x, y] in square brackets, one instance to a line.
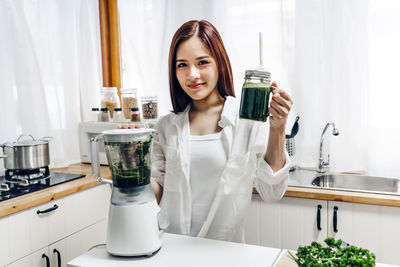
[356, 182]
[347, 182]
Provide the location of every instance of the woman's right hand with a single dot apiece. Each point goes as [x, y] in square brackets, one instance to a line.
[128, 126]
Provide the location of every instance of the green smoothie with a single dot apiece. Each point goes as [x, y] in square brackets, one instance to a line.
[254, 102]
[129, 162]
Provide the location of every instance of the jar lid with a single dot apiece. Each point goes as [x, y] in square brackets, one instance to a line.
[117, 109]
[128, 90]
[95, 109]
[149, 98]
[134, 109]
[259, 72]
[110, 89]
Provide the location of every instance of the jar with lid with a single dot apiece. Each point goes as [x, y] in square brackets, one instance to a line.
[128, 101]
[110, 99]
[149, 107]
[135, 115]
[255, 95]
[117, 115]
[95, 116]
[104, 116]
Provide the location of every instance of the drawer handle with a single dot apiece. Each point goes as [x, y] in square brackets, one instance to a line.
[58, 257]
[335, 229]
[47, 210]
[319, 218]
[47, 260]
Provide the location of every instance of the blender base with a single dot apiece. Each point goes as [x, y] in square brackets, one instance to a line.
[133, 229]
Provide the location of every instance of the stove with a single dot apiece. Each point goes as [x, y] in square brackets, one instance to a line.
[16, 183]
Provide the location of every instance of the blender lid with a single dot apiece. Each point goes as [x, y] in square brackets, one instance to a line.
[129, 131]
[129, 135]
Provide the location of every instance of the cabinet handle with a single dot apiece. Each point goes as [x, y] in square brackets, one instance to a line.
[335, 209]
[319, 218]
[47, 260]
[58, 257]
[47, 210]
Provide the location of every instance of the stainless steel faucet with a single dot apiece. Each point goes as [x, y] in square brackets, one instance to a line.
[322, 164]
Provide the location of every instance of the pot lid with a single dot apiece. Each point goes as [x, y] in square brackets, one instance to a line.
[28, 141]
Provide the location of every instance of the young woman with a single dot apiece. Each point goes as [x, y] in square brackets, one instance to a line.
[205, 160]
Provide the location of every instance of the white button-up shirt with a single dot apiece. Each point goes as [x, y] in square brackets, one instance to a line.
[246, 168]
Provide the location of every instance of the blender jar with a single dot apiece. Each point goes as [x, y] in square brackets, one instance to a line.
[255, 95]
[128, 154]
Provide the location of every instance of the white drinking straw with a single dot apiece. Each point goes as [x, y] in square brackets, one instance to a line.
[260, 46]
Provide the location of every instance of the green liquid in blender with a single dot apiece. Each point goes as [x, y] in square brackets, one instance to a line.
[254, 102]
[129, 163]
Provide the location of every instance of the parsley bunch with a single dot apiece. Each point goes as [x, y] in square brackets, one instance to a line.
[332, 255]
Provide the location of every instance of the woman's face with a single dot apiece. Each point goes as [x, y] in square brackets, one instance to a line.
[196, 69]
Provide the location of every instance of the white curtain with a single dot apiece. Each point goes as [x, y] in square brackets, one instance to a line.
[50, 71]
[347, 55]
[147, 27]
[337, 59]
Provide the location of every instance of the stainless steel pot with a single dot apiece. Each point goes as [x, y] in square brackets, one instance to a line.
[26, 154]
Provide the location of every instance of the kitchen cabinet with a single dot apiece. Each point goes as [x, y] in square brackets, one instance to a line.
[73, 224]
[292, 222]
[287, 223]
[66, 249]
[369, 226]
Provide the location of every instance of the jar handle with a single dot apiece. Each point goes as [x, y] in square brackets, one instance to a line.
[25, 135]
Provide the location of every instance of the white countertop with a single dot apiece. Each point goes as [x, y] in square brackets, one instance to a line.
[179, 250]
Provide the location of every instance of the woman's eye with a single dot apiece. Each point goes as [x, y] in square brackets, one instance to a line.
[203, 62]
[181, 65]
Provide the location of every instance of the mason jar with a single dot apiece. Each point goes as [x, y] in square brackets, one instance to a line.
[149, 107]
[110, 99]
[255, 95]
[129, 100]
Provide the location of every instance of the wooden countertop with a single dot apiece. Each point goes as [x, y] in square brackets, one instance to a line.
[27, 201]
[14, 205]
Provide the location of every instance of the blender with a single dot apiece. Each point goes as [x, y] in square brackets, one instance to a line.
[133, 228]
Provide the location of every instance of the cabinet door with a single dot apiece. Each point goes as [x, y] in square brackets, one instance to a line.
[292, 222]
[32, 260]
[252, 222]
[368, 226]
[303, 221]
[5, 252]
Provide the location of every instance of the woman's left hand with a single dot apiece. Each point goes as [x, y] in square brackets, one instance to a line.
[280, 106]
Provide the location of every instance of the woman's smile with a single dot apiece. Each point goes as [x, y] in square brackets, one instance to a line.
[196, 85]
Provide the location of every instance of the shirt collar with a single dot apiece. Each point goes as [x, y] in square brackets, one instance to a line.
[228, 115]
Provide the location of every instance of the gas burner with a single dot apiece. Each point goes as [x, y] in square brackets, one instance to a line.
[19, 183]
[29, 174]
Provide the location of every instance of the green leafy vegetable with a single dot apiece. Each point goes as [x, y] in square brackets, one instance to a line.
[332, 255]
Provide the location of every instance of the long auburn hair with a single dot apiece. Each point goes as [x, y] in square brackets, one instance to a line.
[209, 35]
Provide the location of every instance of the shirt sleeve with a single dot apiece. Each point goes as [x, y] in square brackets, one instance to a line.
[269, 184]
[158, 157]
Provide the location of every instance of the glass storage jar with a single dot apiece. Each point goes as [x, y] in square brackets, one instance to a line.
[110, 99]
[104, 115]
[129, 100]
[149, 107]
[135, 115]
[95, 116]
[117, 115]
[255, 95]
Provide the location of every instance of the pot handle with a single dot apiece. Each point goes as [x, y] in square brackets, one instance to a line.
[25, 135]
[47, 138]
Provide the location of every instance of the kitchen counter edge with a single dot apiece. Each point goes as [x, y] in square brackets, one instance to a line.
[27, 201]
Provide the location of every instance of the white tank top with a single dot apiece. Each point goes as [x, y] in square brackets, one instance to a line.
[207, 161]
